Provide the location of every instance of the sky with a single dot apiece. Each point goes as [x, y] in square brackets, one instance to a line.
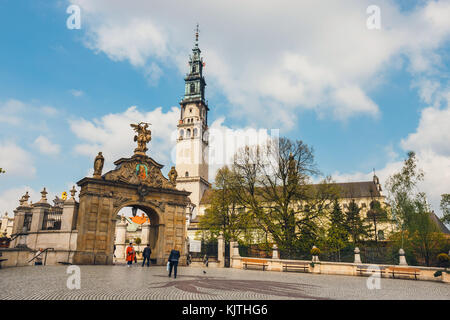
[310, 70]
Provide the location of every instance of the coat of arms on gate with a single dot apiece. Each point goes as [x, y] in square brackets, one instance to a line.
[142, 171]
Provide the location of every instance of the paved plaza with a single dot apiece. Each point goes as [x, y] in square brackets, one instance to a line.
[137, 283]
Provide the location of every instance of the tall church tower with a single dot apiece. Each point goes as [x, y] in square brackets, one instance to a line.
[192, 141]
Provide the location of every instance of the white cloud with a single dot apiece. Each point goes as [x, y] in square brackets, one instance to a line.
[11, 111]
[432, 134]
[430, 141]
[275, 57]
[15, 160]
[45, 146]
[225, 141]
[50, 111]
[15, 112]
[113, 135]
[76, 93]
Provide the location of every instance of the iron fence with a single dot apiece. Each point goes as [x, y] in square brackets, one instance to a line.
[254, 250]
[52, 220]
[207, 248]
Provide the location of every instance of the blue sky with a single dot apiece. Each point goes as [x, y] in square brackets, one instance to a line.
[360, 97]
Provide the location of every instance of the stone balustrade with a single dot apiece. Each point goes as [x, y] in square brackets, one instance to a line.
[343, 268]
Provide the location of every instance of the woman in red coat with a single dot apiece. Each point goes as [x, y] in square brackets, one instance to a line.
[131, 254]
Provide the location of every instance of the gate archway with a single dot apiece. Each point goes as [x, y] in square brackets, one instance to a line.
[136, 181]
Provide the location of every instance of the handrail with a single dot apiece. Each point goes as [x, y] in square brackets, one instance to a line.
[14, 236]
[41, 252]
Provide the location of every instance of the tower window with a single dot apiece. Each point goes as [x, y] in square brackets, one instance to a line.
[192, 88]
[186, 174]
[194, 68]
[181, 134]
[188, 133]
[195, 132]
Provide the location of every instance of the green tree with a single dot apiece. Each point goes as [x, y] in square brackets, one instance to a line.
[411, 211]
[225, 215]
[337, 234]
[355, 223]
[376, 214]
[445, 207]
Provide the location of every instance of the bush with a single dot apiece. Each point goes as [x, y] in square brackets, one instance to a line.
[443, 259]
[315, 251]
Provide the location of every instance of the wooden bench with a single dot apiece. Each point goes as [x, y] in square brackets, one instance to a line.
[404, 271]
[295, 266]
[254, 262]
[1, 260]
[364, 270]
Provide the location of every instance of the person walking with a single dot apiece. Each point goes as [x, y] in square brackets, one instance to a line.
[173, 262]
[146, 255]
[131, 254]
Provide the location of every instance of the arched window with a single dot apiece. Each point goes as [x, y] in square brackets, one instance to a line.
[192, 87]
[195, 132]
[188, 133]
[181, 134]
[194, 68]
[186, 174]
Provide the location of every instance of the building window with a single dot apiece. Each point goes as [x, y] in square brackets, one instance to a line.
[186, 174]
[192, 88]
[181, 134]
[27, 222]
[188, 133]
[195, 132]
[380, 235]
[194, 68]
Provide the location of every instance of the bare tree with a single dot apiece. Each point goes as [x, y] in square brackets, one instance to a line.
[275, 184]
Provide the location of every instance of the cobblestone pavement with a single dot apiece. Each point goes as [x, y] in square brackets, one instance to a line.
[136, 283]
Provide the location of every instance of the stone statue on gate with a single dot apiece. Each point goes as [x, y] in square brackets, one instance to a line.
[98, 165]
[173, 176]
[143, 136]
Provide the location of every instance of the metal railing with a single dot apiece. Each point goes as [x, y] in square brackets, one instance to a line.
[46, 250]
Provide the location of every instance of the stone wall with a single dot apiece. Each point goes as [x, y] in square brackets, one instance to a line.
[341, 268]
[17, 257]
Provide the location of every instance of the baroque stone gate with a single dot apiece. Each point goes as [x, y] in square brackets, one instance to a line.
[135, 182]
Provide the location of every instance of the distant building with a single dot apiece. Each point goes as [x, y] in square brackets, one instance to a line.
[6, 225]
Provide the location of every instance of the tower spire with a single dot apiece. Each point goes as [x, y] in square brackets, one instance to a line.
[197, 31]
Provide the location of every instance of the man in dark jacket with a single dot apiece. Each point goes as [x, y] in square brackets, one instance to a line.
[173, 262]
[146, 255]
